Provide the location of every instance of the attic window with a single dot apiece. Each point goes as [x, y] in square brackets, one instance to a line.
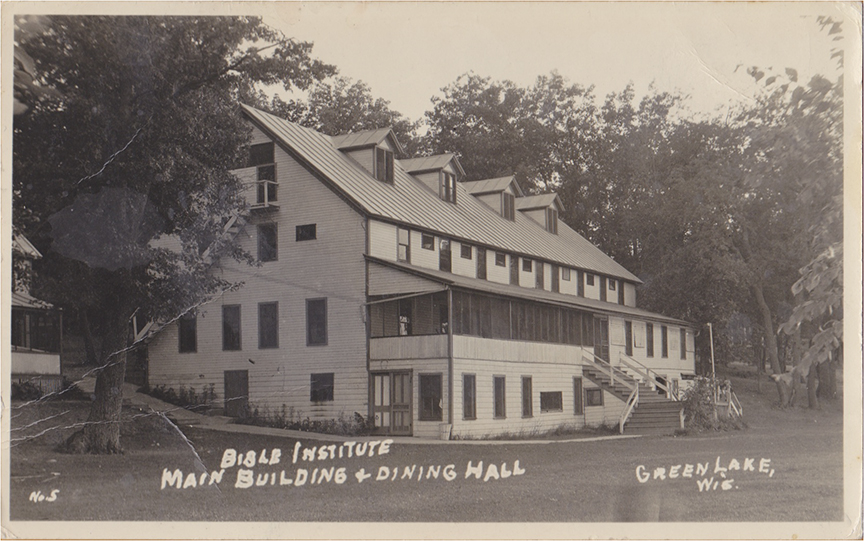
[552, 221]
[261, 154]
[384, 165]
[261, 157]
[448, 187]
[508, 206]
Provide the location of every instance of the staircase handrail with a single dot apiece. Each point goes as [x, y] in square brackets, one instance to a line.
[646, 373]
[735, 404]
[631, 404]
[610, 370]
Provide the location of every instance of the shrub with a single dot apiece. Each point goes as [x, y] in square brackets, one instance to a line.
[288, 418]
[185, 398]
[699, 413]
[25, 391]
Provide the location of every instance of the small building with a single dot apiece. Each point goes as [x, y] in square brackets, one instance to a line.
[395, 289]
[36, 329]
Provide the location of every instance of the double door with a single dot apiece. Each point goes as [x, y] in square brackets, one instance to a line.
[601, 337]
[391, 402]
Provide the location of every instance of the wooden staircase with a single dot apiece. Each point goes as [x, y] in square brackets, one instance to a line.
[648, 411]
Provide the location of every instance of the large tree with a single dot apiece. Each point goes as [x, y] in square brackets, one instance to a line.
[137, 143]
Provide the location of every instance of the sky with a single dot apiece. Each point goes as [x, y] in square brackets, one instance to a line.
[406, 52]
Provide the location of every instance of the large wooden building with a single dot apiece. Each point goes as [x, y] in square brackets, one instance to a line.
[394, 289]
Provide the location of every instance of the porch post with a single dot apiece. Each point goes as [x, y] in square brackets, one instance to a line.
[450, 400]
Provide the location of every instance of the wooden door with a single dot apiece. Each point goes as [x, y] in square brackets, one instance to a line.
[601, 337]
[236, 393]
[391, 402]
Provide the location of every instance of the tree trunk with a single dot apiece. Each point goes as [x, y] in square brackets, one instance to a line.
[89, 347]
[812, 384]
[784, 389]
[101, 434]
[768, 325]
[827, 377]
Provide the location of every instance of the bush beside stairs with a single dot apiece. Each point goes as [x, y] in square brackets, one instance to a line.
[654, 414]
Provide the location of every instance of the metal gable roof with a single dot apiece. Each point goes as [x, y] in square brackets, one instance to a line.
[409, 201]
[492, 185]
[366, 138]
[21, 245]
[538, 201]
[485, 286]
[431, 163]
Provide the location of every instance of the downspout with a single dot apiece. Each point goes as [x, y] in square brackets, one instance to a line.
[450, 356]
[368, 325]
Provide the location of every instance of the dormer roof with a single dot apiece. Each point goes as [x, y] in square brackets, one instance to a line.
[492, 185]
[545, 200]
[432, 163]
[22, 246]
[366, 138]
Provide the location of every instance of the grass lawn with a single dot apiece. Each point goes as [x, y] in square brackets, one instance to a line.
[557, 481]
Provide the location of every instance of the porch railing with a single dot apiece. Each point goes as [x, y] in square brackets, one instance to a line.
[631, 404]
[649, 375]
[614, 373]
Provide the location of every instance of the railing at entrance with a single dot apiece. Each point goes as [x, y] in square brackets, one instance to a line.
[632, 402]
[648, 375]
[613, 372]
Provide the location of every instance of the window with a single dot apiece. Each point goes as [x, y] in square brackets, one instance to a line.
[466, 251]
[316, 322]
[403, 252]
[231, 327]
[556, 279]
[539, 277]
[552, 221]
[565, 274]
[267, 243]
[321, 388]
[628, 338]
[621, 294]
[552, 401]
[448, 187]
[444, 255]
[500, 411]
[526, 264]
[261, 154]
[384, 165]
[603, 288]
[306, 232]
[612, 284]
[580, 284]
[481, 263]
[469, 396]
[593, 397]
[268, 325]
[406, 309]
[427, 242]
[514, 270]
[508, 206]
[649, 339]
[527, 397]
[431, 401]
[589, 278]
[188, 333]
[578, 406]
[664, 341]
[683, 343]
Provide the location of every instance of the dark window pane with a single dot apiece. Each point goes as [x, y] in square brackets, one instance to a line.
[578, 408]
[527, 398]
[621, 294]
[321, 387]
[306, 232]
[540, 276]
[500, 313]
[404, 245]
[431, 402]
[500, 259]
[565, 274]
[552, 401]
[188, 334]
[440, 312]
[683, 345]
[594, 397]
[628, 338]
[383, 165]
[481, 263]
[469, 396]
[649, 339]
[526, 264]
[267, 242]
[261, 154]
[664, 341]
[444, 255]
[231, 328]
[316, 322]
[498, 390]
[514, 270]
[406, 315]
[603, 288]
[589, 279]
[427, 242]
[268, 325]
[556, 276]
[267, 172]
[466, 251]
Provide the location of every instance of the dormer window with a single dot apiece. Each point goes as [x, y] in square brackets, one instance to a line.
[552, 221]
[508, 206]
[384, 165]
[448, 187]
[261, 156]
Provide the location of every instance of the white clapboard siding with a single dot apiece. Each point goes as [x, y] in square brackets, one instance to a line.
[629, 294]
[364, 156]
[386, 281]
[421, 257]
[383, 241]
[408, 347]
[491, 349]
[331, 267]
[461, 266]
[592, 291]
